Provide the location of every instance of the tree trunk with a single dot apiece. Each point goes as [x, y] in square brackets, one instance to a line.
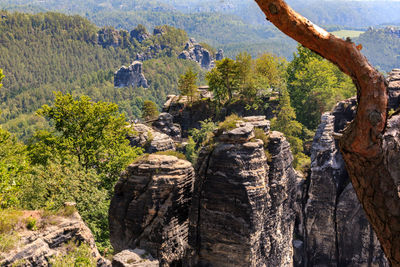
[362, 147]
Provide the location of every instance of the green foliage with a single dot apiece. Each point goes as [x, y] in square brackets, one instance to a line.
[224, 80]
[187, 85]
[63, 53]
[149, 110]
[13, 167]
[76, 255]
[1, 77]
[315, 85]
[285, 122]
[31, 224]
[229, 123]
[190, 150]
[9, 219]
[49, 187]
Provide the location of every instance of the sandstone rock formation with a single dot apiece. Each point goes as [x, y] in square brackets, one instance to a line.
[165, 124]
[150, 208]
[194, 51]
[394, 89]
[242, 206]
[134, 258]
[150, 139]
[219, 55]
[130, 76]
[336, 231]
[36, 248]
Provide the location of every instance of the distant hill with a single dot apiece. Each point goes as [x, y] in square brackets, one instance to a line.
[381, 47]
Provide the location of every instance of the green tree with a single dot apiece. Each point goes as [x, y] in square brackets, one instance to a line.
[224, 80]
[285, 122]
[149, 110]
[187, 85]
[93, 133]
[13, 167]
[315, 85]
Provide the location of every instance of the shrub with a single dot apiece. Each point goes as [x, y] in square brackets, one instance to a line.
[179, 155]
[229, 123]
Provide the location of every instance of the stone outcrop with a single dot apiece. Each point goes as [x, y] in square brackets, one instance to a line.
[149, 139]
[36, 248]
[196, 52]
[394, 89]
[130, 76]
[242, 205]
[134, 258]
[150, 208]
[108, 37]
[165, 124]
[219, 55]
[336, 231]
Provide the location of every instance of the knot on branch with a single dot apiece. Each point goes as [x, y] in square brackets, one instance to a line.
[374, 117]
[273, 9]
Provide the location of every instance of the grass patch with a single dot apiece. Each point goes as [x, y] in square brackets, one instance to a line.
[8, 241]
[229, 123]
[31, 224]
[142, 158]
[347, 33]
[179, 155]
[75, 256]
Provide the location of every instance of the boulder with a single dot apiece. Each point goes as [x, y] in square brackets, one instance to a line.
[165, 124]
[150, 208]
[130, 76]
[151, 140]
[134, 258]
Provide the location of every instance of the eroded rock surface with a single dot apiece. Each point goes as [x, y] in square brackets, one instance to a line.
[36, 248]
[150, 208]
[232, 221]
[336, 231]
[134, 258]
[130, 76]
[194, 51]
[152, 141]
[165, 124]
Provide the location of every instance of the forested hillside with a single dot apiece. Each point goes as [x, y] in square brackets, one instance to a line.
[381, 47]
[53, 52]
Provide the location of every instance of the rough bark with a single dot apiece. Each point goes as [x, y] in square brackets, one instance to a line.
[362, 143]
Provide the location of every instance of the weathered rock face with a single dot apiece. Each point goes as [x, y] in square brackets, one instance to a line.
[283, 184]
[194, 51]
[134, 258]
[150, 208]
[165, 124]
[108, 37]
[35, 248]
[336, 231]
[394, 89]
[241, 207]
[131, 76]
[149, 139]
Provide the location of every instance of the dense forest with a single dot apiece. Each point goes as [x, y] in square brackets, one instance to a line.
[53, 52]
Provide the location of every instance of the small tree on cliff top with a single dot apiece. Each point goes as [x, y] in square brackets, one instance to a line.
[364, 151]
[187, 85]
